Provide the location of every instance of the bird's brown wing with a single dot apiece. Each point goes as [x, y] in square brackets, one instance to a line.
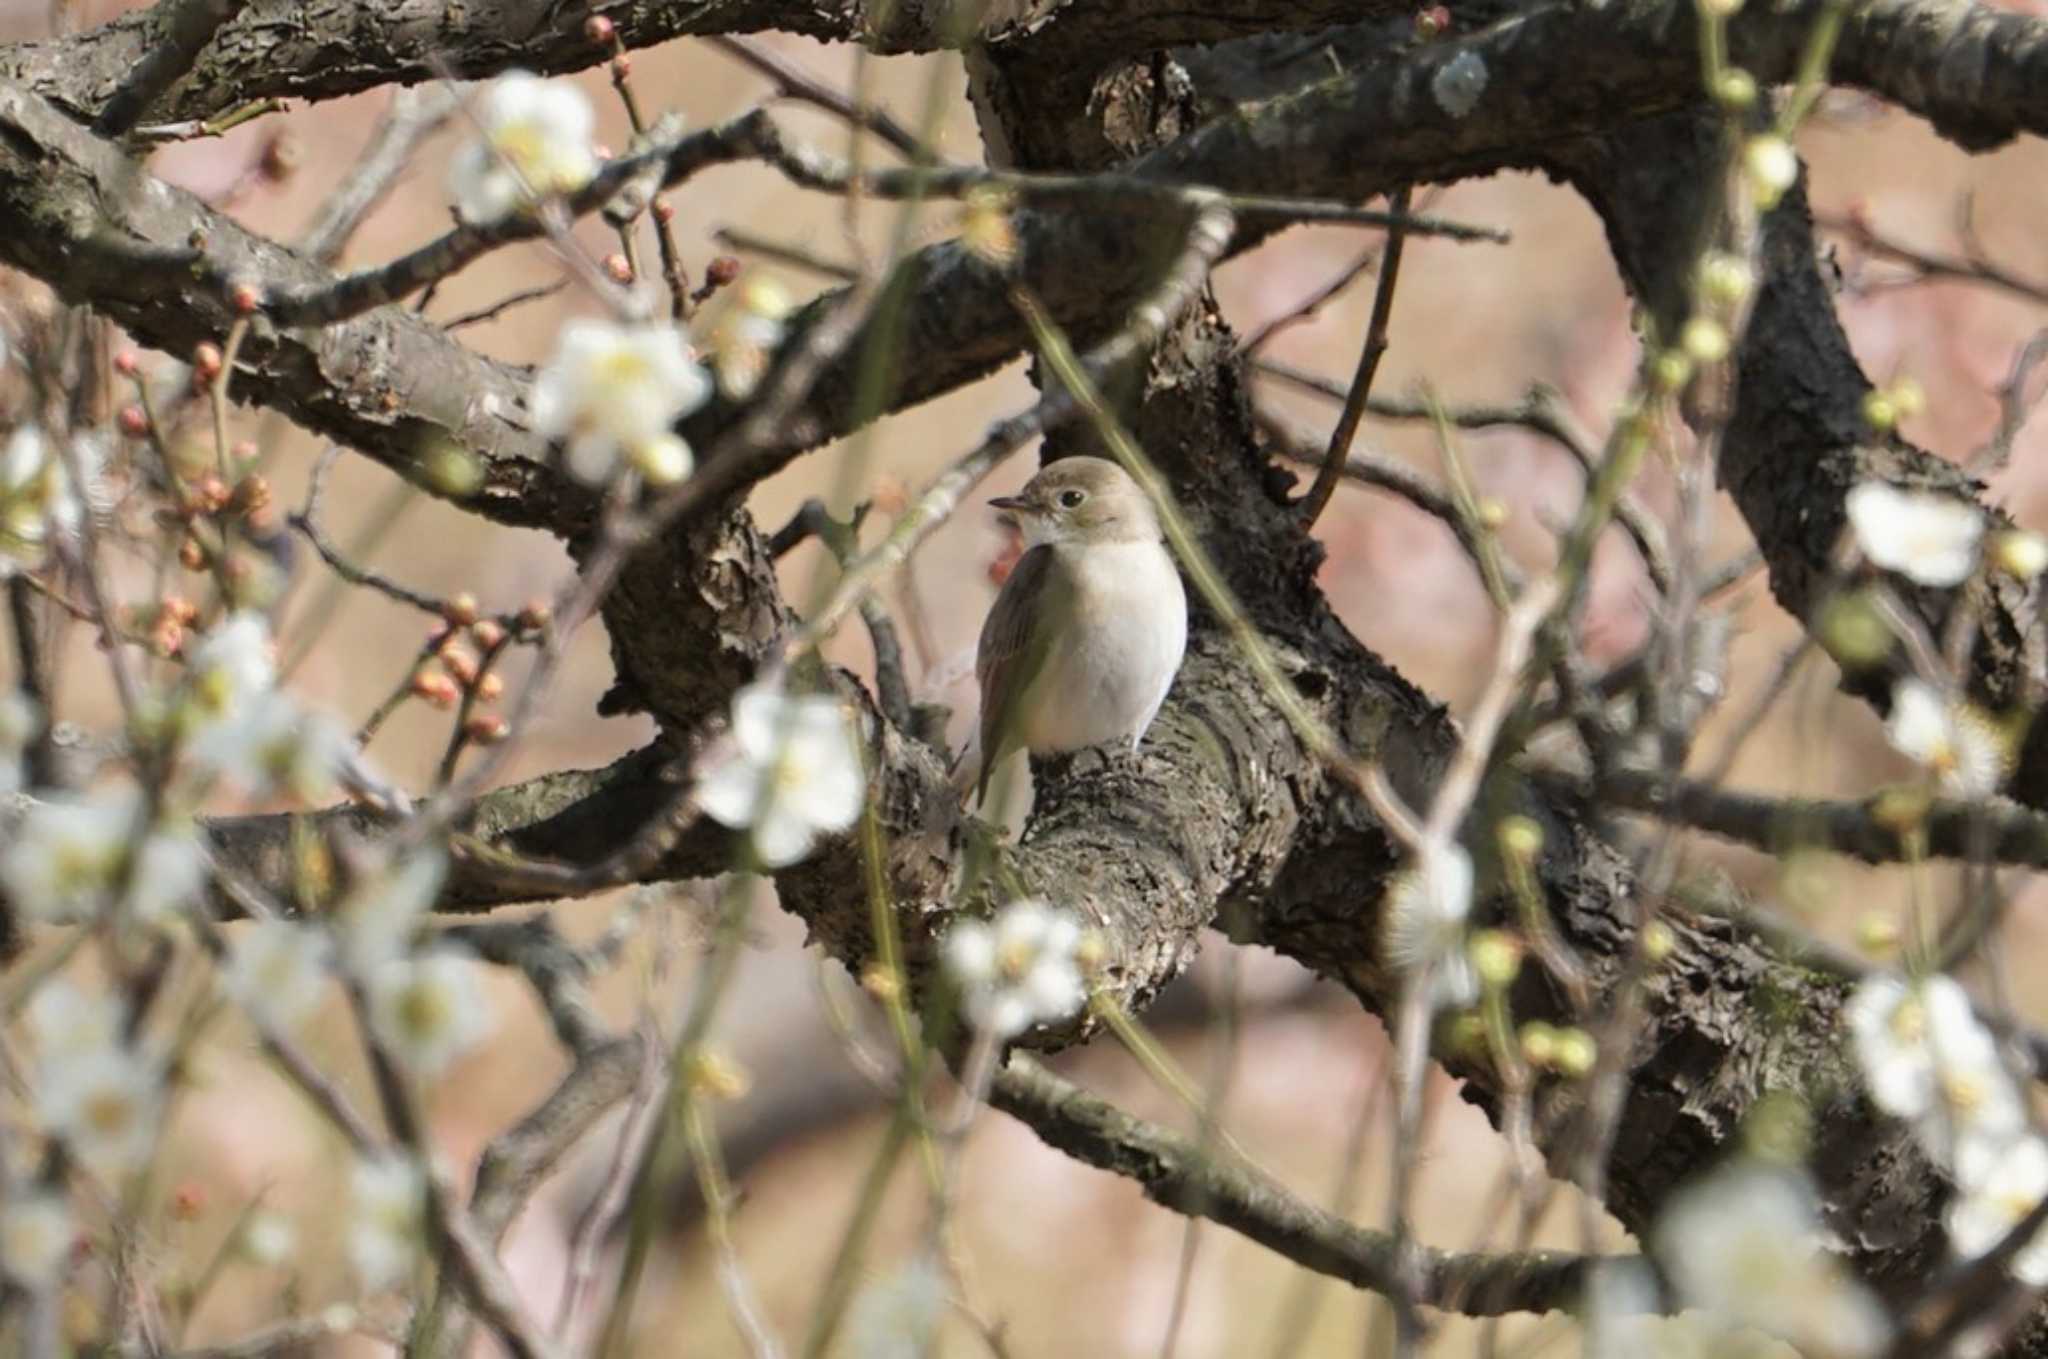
[1013, 651]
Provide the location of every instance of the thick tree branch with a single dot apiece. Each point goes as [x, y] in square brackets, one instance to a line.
[1184, 1177]
[1868, 830]
[79, 214]
[184, 29]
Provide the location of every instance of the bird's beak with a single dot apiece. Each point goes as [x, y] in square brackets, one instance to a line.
[1011, 506]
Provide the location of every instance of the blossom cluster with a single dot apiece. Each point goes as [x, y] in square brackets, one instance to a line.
[1746, 1244]
[125, 855]
[1928, 1059]
[612, 391]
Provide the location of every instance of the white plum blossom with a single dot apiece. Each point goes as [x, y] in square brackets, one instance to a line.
[387, 1201]
[791, 772]
[276, 970]
[380, 915]
[536, 143]
[1746, 1243]
[234, 664]
[1928, 538]
[1458, 83]
[1959, 744]
[65, 1020]
[69, 854]
[276, 744]
[1424, 930]
[429, 1009]
[167, 874]
[104, 1104]
[1991, 1203]
[36, 499]
[612, 394]
[1927, 1058]
[37, 1232]
[1019, 970]
[747, 338]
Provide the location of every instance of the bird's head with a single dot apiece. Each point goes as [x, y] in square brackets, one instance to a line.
[1084, 501]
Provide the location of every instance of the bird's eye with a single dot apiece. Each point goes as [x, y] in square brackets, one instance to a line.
[1072, 499]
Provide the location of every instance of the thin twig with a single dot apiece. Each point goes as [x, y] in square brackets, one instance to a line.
[1318, 498]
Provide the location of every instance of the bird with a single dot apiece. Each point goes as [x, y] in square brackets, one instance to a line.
[1086, 636]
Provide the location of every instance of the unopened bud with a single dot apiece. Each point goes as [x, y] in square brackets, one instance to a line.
[489, 633]
[1576, 1053]
[617, 269]
[244, 298]
[1432, 22]
[535, 616]
[1521, 838]
[435, 687]
[664, 211]
[206, 361]
[134, 422]
[1736, 90]
[600, 30]
[882, 982]
[1671, 370]
[1879, 411]
[490, 686]
[1772, 166]
[1705, 340]
[1726, 278]
[2020, 553]
[460, 610]
[1496, 956]
[1658, 941]
[127, 363]
[486, 729]
[1539, 1043]
[459, 663]
[1491, 512]
[191, 555]
[250, 496]
[722, 270]
[1878, 935]
[716, 1075]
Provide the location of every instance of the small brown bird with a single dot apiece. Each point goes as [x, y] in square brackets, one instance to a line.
[1088, 632]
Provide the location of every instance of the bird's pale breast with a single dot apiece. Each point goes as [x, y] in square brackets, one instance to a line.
[1115, 660]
